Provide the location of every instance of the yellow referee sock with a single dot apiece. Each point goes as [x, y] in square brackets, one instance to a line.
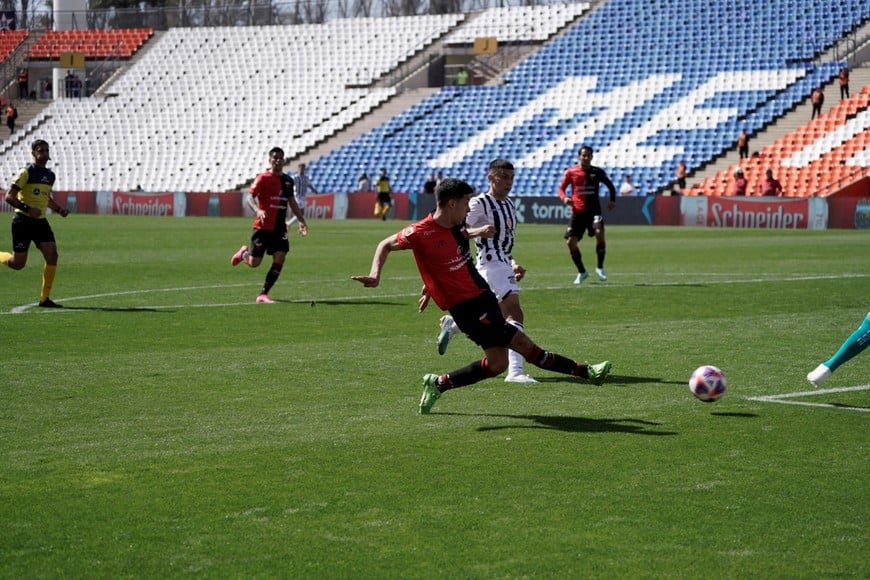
[47, 281]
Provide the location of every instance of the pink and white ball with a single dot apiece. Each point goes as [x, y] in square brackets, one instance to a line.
[708, 383]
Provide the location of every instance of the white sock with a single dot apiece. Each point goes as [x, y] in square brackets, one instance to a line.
[515, 359]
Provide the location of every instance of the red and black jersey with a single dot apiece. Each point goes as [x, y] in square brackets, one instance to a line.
[272, 192]
[585, 185]
[443, 258]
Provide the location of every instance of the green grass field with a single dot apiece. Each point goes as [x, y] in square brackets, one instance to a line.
[163, 425]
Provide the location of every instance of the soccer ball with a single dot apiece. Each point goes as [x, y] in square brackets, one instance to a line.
[708, 383]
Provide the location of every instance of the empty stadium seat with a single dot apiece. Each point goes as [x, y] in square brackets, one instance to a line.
[827, 151]
[643, 87]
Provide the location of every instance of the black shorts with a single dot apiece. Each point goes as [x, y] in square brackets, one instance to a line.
[269, 242]
[584, 222]
[27, 229]
[482, 321]
[385, 199]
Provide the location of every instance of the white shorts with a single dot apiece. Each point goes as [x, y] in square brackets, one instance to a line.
[500, 277]
[300, 201]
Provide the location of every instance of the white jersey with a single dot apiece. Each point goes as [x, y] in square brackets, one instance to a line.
[494, 255]
[484, 209]
[301, 185]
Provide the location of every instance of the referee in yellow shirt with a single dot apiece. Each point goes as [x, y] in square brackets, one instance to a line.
[30, 195]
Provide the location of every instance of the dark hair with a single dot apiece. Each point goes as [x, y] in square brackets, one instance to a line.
[451, 188]
[37, 143]
[582, 147]
[500, 163]
[275, 150]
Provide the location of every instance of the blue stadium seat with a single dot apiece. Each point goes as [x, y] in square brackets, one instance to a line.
[678, 73]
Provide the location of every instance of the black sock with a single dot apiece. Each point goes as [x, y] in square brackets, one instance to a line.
[578, 261]
[556, 362]
[467, 375]
[600, 250]
[271, 278]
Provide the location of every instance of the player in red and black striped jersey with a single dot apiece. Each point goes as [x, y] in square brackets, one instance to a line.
[269, 198]
[441, 247]
[585, 180]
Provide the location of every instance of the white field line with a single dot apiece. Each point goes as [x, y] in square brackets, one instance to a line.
[25, 307]
[801, 394]
[367, 295]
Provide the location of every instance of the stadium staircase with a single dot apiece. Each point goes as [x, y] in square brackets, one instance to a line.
[35, 46]
[816, 159]
[794, 120]
[411, 78]
[779, 129]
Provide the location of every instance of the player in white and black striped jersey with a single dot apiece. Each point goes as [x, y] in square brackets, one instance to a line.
[495, 262]
[301, 186]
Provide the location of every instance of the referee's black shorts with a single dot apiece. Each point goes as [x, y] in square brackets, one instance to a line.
[26, 229]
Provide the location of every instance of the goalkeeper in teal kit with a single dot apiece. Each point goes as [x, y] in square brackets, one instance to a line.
[853, 345]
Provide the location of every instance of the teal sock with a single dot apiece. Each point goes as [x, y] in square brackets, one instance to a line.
[856, 342]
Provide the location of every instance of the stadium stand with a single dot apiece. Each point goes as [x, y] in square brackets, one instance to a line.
[199, 109]
[94, 44]
[9, 41]
[827, 151]
[517, 23]
[646, 84]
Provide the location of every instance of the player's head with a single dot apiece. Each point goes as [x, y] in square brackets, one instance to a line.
[500, 177]
[451, 189]
[453, 196]
[500, 165]
[276, 160]
[39, 150]
[584, 156]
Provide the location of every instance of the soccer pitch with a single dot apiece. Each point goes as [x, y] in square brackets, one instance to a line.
[164, 425]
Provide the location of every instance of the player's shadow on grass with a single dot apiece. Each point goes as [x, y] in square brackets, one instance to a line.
[673, 284]
[617, 380]
[845, 406]
[343, 302]
[739, 415]
[117, 308]
[578, 424]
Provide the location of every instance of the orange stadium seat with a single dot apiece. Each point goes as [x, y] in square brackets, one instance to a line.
[824, 168]
[95, 44]
[9, 41]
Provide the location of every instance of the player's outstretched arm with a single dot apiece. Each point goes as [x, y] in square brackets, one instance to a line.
[382, 252]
